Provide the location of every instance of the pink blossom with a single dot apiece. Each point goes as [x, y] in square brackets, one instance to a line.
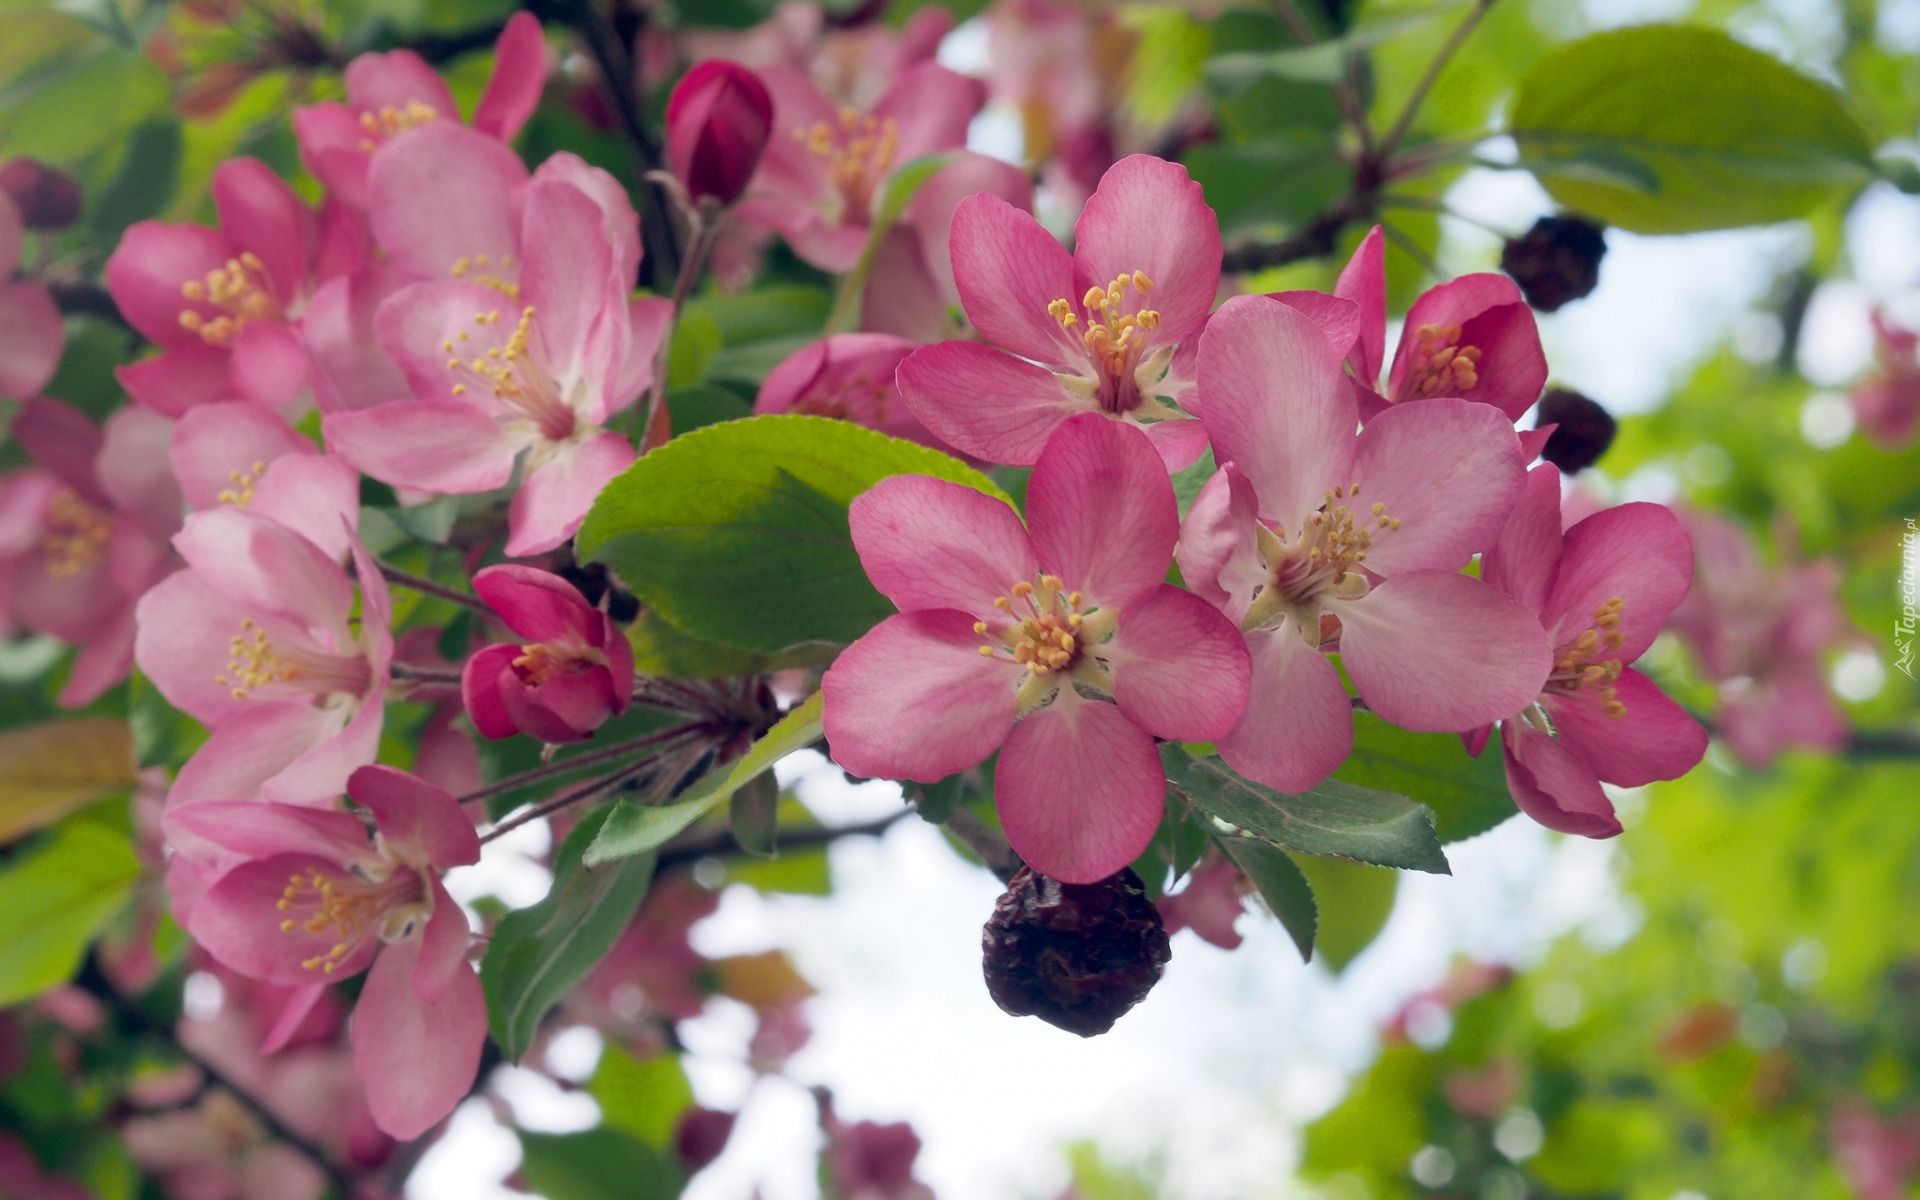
[95, 523]
[1473, 337]
[849, 66]
[222, 304]
[1763, 632]
[910, 289]
[1313, 538]
[825, 168]
[1887, 403]
[1097, 331]
[230, 452]
[1602, 590]
[259, 640]
[1001, 626]
[574, 671]
[1210, 903]
[1062, 67]
[528, 349]
[1877, 1156]
[388, 94]
[31, 335]
[848, 376]
[318, 900]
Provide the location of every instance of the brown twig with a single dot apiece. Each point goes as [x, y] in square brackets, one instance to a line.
[1398, 130]
[720, 842]
[578, 762]
[428, 587]
[986, 841]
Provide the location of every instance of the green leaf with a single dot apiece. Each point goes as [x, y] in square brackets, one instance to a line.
[755, 815]
[1283, 180]
[51, 769]
[1353, 900]
[1728, 135]
[661, 649]
[696, 339]
[633, 829]
[737, 533]
[901, 186]
[539, 953]
[803, 874]
[1468, 795]
[600, 1164]
[935, 802]
[144, 185]
[1323, 62]
[57, 897]
[1281, 885]
[1334, 818]
[695, 407]
[767, 313]
[641, 1097]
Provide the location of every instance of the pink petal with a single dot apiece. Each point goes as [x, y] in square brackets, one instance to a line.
[1654, 739]
[343, 247]
[833, 248]
[791, 179]
[447, 757]
[184, 641]
[416, 817]
[1101, 511]
[399, 79]
[1439, 652]
[555, 497]
[417, 1060]
[330, 137]
[930, 544]
[65, 441]
[254, 745]
[915, 699]
[13, 234]
[316, 496]
[1364, 281]
[480, 690]
[519, 75]
[416, 324]
[215, 442]
[267, 567]
[1079, 789]
[648, 319]
[292, 1016]
[568, 279]
[1218, 555]
[1638, 553]
[1525, 558]
[105, 658]
[929, 215]
[428, 445]
[269, 365]
[900, 296]
[1180, 669]
[1149, 215]
[1492, 317]
[1532, 441]
[538, 605]
[1276, 404]
[31, 338]
[566, 708]
[238, 922]
[621, 223]
[1179, 442]
[985, 403]
[350, 370]
[930, 108]
[147, 270]
[1339, 319]
[1008, 269]
[261, 215]
[177, 380]
[443, 948]
[134, 473]
[1298, 725]
[1552, 786]
[322, 771]
[441, 193]
[1449, 471]
[254, 830]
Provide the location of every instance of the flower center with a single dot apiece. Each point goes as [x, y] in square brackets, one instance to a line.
[1591, 662]
[515, 377]
[255, 663]
[1117, 327]
[1045, 630]
[242, 293]
[1325, 561]
[380, 898]
[858, 149]
[540, 661]
[1440, 365]
[241, 493]
[75, 535]
[478, 269]
[390, 120]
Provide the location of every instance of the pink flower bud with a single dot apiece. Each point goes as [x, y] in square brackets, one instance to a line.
[718, 119]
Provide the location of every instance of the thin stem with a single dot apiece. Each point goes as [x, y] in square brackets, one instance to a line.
[659, 423]
[568, 766]
[1296, 22]
[1423, 204]
[1439, 64]
[405, 673]
[986, 841]
[428, 587]
[722, 842]
[567, 799]
[1413, 249]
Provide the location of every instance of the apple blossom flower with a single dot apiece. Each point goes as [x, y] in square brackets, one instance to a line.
[1472, 337]
[718, 119]
[1762, 633]
[1096, 331]
[31, 335]
[910, 290]
[1887, 403]
[258, 639]
[1210, 903]
[1602, 590]
[1001, 627]
[847, 376]
[528, 349]
[388, 94]
[319, 900]
[97, 523]
[825, 168]
[1064, 68]
[849, 66]
[575, 670]
[222, 304]
[1311, 537]
[231, 452]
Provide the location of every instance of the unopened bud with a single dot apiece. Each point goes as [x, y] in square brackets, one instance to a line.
[718, 121]
[1077, 956]
[701, 1135]
[47, 199]
[1584, 430]
[1557, 262]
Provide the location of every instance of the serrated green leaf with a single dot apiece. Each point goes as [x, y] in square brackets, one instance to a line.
[1335, 818]
[57, 897]
[1728, 135]
[737, 534]
[538, 954]
[1281, 885]
[1467, 795]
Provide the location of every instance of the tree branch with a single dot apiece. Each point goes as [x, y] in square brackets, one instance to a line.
[721, 842]
[986, 841]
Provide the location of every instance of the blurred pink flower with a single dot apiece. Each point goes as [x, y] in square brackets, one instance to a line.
[31, 334]
[1887, 403]
[1876, 1156]
[847, 376]
[910, 288]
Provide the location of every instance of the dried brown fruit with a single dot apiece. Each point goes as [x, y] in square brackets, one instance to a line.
[1556, 262]
[1077, 956]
